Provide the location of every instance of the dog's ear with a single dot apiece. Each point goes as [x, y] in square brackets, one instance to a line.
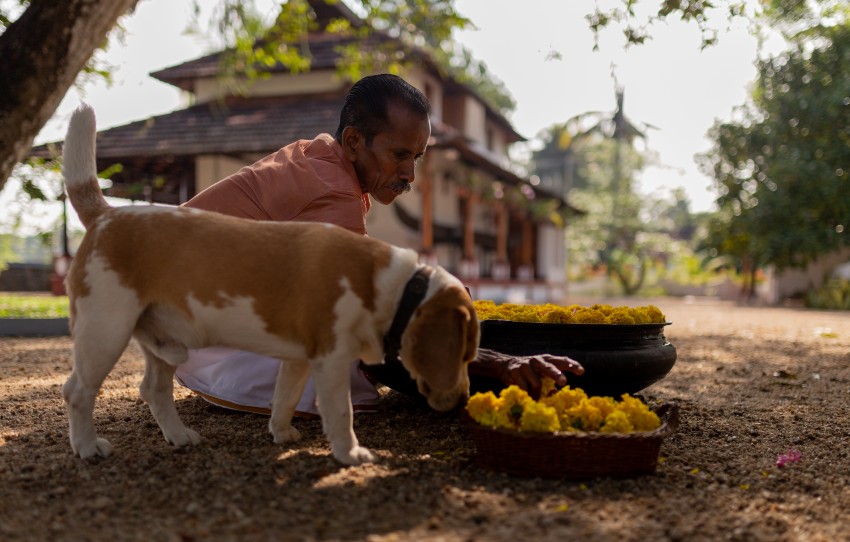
[473, 334]
[441, 339]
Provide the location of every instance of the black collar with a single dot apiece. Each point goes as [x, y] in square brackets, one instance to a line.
[414, 293]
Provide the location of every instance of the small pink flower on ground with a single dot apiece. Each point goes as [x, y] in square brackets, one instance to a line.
[791, 456]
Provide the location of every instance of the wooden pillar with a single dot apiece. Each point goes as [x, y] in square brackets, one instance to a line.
[501, 232]
[526, 242]
[469, 227]
[427, 222]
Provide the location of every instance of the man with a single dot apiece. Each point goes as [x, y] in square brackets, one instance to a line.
[383, 130]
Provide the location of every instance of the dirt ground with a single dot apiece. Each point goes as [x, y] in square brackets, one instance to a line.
[751, 383]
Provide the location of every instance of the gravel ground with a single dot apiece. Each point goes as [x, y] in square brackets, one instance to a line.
[752, 383]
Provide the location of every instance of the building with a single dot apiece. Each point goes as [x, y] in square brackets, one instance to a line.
[470, 211]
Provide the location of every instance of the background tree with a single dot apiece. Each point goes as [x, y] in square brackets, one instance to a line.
[782, 169]
[595, 153]
[45, 44]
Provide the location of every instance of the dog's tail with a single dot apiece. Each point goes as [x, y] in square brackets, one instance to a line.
[80, 168]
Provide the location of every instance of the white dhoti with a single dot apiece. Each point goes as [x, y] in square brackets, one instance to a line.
[245, 381]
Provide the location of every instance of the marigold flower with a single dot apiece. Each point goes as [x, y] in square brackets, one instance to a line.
[539, 418]
[655, 314]
[568, 409]
[589, 316]
[584, 416]
[482, 407]
[606, 405]
[513, 400]
[547, 386]
[559, 315]
[617, 422]
[621, 315]
[639, 414]
[552, 313]
[604, 309]
[641, 316]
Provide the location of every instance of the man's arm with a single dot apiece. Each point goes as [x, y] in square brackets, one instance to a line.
[527, 372]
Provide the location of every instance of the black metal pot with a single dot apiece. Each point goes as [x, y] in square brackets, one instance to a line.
[617, 358]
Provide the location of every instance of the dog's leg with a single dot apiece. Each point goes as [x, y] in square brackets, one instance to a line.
[333, 391]
[291, 378]
[95, 353]
[157, 390]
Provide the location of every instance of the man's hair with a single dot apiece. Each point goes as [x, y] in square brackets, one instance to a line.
[366, 108]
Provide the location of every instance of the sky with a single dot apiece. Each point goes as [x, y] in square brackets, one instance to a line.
[542, 50]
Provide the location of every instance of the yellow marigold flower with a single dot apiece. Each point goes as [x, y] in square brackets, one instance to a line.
[539, 418]
[547, 386]
[589, 316]
[621, 315]
[513, 400]
[482, 408]
[639, 414]
[604, 309]
[606, 405]
[617, 422]
[552, 313]
[655, 314]
[584, 416]
[641, 316]
[558, 315]
[564, 398]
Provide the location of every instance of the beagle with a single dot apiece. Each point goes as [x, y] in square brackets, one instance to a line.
[316, 296]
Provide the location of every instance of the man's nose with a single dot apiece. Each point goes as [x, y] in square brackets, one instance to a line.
[407, 171]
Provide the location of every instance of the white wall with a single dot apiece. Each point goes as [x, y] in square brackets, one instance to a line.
[780, 286]
[277, 85]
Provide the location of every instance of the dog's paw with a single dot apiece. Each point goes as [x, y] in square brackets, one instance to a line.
[183, 437]
[100, 447]
[285, 434]
[355, 456]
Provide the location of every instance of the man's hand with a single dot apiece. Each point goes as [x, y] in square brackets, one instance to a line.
[527, 372]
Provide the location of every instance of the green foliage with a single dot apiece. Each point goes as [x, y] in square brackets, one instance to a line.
[256, 45]
[33, 306]
[619, 231]
[833, 295]
[635, 18]
[782, 170]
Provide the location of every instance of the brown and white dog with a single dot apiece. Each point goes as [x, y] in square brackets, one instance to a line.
[314, 295]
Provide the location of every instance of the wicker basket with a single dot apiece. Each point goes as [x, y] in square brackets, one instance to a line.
[572, 456]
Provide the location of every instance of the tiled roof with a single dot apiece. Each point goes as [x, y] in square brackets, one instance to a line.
[322, 52]
[241, 126]
[256, 125]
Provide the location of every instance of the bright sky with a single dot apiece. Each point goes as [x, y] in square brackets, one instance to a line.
[669, 83]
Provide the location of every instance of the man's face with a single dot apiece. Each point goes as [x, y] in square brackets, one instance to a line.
[386, 167]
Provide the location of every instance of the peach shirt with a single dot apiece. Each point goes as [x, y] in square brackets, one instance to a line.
[308, 180]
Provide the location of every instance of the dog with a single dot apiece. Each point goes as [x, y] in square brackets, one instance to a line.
[316, 296]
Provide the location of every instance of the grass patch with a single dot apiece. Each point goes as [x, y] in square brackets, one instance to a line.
[33, 306]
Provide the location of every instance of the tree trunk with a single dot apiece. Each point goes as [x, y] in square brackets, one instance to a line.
[42, 52]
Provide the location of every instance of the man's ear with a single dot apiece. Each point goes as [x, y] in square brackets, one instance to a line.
[352, 140]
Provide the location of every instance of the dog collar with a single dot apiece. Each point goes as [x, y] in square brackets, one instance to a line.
[414, 293]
